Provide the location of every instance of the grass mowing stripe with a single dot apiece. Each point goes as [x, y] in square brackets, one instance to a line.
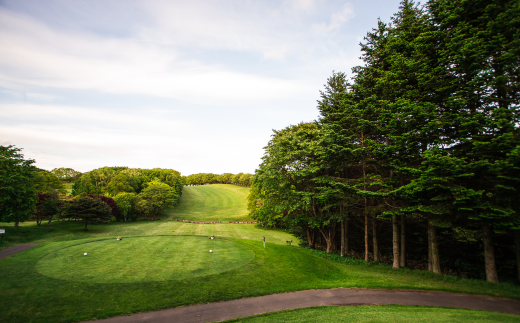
[29, 232]
[218, 202]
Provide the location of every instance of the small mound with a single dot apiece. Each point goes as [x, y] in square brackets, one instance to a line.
[144, 259]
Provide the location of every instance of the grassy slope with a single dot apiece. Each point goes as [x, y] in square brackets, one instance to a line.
[212, 203]
[386, 313]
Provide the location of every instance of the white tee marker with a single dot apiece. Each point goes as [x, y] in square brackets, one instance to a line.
[85, 254]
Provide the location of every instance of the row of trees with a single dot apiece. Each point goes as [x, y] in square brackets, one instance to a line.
[226, 178]
[424, 137]
[99, 195]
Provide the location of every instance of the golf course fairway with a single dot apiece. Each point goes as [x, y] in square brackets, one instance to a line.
[212, 203]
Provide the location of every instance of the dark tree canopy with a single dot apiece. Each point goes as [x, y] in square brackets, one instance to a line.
[88, 209]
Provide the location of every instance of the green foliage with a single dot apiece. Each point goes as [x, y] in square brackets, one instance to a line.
[17, 189]
[66, 174]
[127, 205]
[98, 181]
[88, 209]
[342, 260]
[119, 184]
[156, 197]
[47, 206]
[226, 178]
[428, 127]
[47, 182]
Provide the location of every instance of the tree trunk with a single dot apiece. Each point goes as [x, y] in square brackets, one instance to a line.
[49, 223]
[403, 241]
[366, 234]
[489, 255]
[86, 223]
[395, 234]
[516, 233]
[328, 235]
[374, 239]
[434, 246]
[430, 267]
[311, 237]
[365, 188]
[344, 237]
[16, 223]
[329, 244]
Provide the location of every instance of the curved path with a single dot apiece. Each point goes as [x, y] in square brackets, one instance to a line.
[336, 297]
[16, 249]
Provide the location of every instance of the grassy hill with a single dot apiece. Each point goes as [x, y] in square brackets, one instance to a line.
[212, 203]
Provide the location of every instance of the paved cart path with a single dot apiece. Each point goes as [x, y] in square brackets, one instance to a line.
[16, 249]
[333, 297]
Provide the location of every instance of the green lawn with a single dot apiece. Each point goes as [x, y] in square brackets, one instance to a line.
[157, 266]
[158, 258]
[382, 314]
[212, 203]
[29, 232]
[30, 296]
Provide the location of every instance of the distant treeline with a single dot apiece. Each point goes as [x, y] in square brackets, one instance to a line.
[226, 178]
[66, 174]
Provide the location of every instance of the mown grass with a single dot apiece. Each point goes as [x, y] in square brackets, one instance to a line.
[29, 296]
[29, 232]
[159, 258]
[212, 203]
[381, 313]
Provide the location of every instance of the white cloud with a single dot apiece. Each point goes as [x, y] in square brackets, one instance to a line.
[252, 26]
[84, 139]
[34, 54]
[337, 19]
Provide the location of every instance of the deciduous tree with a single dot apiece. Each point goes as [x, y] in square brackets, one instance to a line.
[17, 190]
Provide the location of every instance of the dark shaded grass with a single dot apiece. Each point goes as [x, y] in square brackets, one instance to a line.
[28, 296]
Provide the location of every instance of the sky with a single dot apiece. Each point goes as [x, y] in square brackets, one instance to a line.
[196, 86]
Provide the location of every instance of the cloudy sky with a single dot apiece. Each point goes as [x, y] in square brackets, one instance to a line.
[196, 86]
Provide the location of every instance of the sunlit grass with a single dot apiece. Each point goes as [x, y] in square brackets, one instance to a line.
[383, 314]
[212, 203]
